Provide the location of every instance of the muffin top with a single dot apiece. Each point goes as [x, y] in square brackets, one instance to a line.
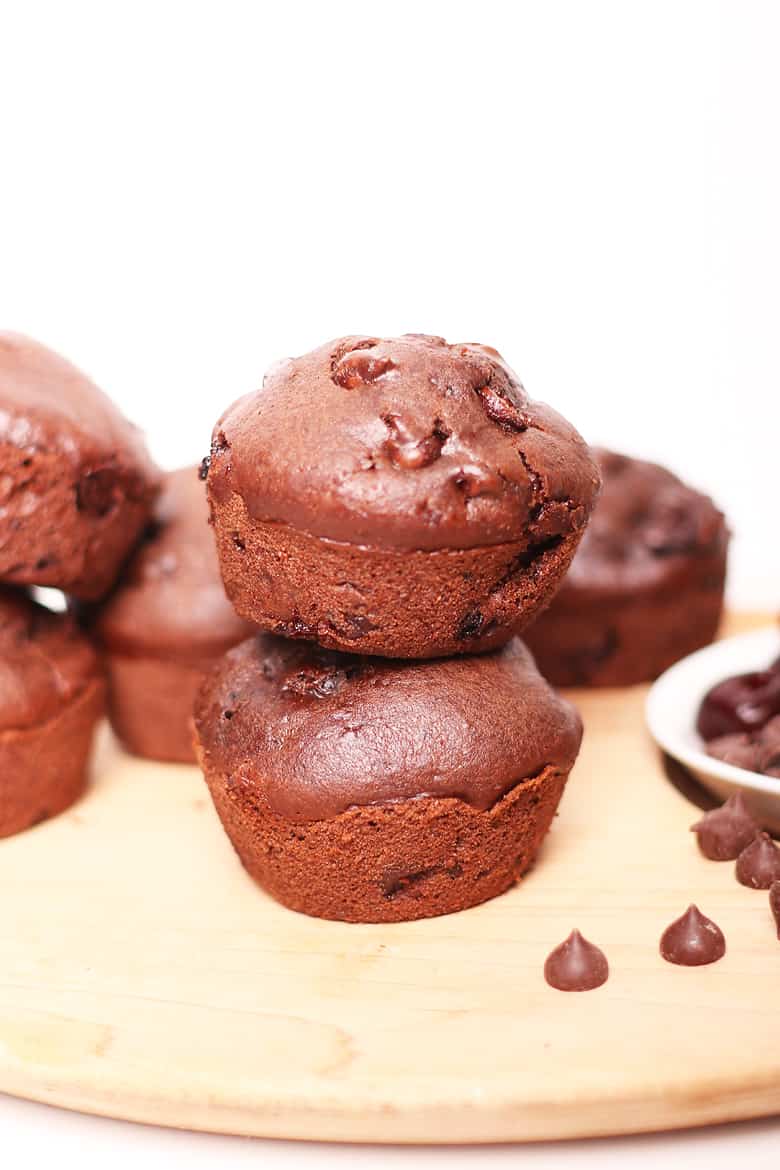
[170, 601]
[46, 404]
[407, 443]
[328, 731]
[45, 662]
[646, 528]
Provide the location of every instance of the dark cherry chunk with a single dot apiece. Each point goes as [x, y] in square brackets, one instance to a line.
[693, 940]
[742, 703]
[576, 965]
[758, 866]
[723, 833]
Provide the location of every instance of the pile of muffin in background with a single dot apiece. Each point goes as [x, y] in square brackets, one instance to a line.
[386, 518]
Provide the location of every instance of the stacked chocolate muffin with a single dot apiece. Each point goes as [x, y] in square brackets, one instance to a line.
[76, 490]
[390, 514]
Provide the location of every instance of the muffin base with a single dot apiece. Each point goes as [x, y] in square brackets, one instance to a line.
[622, 643]
[394, 603]
[391, 862]
[43, 769]
[150, 704]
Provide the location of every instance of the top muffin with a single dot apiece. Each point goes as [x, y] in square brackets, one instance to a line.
[366, 451]
[76, 483]
[406, 443]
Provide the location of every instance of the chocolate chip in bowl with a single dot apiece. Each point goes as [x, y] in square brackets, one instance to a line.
[717, 713]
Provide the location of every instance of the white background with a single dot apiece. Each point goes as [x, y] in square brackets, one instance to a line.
[189, 191]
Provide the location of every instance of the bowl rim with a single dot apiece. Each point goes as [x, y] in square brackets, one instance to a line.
[681, 688]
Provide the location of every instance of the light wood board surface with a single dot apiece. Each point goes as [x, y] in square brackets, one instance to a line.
[144, 976]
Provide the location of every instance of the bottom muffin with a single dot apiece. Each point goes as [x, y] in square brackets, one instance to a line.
[52, 694]
[371, 790]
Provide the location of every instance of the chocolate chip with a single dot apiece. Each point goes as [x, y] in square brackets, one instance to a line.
[471, 626]
[359, 368]
[500, 408]
[316, 682]
[151, 532]
[396, 882]
[408, 451]
[742, 703]
[358, 626]
[475, 480]
[758, 865]
[97, 492]
[576, 965]
[205, 464]
[693, 940]
[294, 627]
[774, 904]
[724, 832]
[219, 445]
[535, 551]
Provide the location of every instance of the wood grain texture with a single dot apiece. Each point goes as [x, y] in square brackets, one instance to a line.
[143, 976]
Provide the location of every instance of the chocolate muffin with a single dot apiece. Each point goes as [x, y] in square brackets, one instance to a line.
[166, 623]
[76, 483]
[370, 790]
[403, 498]
[646, 587]
[52, 694]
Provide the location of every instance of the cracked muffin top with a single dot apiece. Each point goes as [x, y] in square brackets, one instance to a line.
[406, 443]
[648, 524]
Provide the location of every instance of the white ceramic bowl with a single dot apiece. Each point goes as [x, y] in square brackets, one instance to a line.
[673, 704]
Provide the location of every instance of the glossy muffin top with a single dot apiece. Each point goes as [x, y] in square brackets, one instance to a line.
[329, 731]
[408, 443]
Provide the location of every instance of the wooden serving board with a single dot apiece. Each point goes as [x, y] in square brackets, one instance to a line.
[144, 976]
